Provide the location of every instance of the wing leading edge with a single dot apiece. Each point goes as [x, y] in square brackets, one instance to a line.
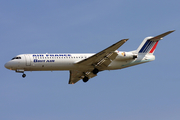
[100, 61]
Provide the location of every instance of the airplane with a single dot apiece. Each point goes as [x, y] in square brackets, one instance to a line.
[86, 66]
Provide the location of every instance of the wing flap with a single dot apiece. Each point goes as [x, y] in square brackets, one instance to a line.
[104, 62]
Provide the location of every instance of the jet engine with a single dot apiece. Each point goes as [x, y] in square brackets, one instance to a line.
[126, 56]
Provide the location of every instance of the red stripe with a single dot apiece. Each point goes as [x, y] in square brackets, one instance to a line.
[154, 47]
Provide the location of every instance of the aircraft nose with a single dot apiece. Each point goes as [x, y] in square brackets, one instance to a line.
[7, 65]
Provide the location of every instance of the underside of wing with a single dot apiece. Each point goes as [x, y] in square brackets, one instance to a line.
[76, 75]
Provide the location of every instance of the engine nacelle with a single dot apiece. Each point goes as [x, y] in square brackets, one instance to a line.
[126, 56]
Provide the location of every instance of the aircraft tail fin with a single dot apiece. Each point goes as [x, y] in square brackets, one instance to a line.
[149, 43]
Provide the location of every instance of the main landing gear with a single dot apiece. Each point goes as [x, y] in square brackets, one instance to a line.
[85, 79]
[95, 71]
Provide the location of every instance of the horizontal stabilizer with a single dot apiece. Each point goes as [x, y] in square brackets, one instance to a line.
[149, 44]
[159, 37]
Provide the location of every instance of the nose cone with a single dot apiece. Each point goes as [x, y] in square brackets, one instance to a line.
[7, 65]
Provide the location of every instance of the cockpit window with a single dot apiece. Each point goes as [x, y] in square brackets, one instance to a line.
[16, 58]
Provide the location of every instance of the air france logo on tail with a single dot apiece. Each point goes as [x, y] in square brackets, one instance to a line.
[148, 47]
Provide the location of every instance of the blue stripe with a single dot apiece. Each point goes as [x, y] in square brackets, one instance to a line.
[144, 46]
[148, 46]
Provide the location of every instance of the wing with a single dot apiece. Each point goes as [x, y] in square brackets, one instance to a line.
[106, 53]
[100, 61]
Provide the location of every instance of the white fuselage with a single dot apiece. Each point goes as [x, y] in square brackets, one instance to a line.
[58, 61]
[86, 66]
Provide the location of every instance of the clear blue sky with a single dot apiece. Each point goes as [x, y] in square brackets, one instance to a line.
[149, 91]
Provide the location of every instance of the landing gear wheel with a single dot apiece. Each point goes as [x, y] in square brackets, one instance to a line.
[24, 75]
[95, 71]
[85, 79]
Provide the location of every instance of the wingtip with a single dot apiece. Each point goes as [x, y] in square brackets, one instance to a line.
[169, 32]
[172, 31]
[125, 40]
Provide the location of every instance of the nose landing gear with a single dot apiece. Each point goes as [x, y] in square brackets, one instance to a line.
[23, 75]
[21, 71]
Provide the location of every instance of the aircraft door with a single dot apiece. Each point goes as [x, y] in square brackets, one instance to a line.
[28, 60]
